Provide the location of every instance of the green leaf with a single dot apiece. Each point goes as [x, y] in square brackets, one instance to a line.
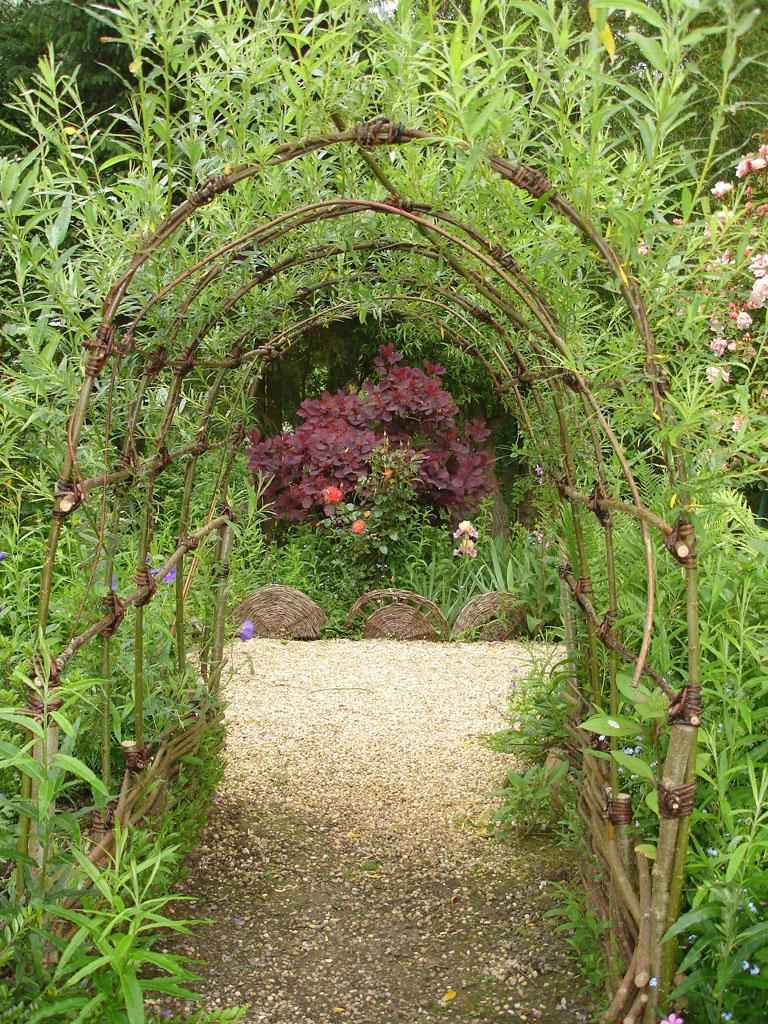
[133, 996]
[25, 721]
[734, 861]
[633, 764]
[688, 920]
[647, 849]
[637, 7]
[61, 224]
[76, 767]
[610, 726]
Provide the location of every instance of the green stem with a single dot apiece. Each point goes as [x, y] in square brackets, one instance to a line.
[216, 663]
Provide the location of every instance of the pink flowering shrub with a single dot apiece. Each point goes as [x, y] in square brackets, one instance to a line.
[718, 297]
[328, 457]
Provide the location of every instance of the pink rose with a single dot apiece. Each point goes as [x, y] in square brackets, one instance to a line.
[759, 295]
[718, 345]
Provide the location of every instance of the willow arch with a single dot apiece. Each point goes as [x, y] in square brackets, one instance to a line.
[523, 357]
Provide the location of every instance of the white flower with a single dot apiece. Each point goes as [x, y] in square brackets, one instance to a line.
[721, 189]
[759, 294]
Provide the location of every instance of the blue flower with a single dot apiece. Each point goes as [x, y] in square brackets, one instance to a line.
[246, 633]
[754, 969]
[170, 576]
[745, 965]
[711, 851]
[727, 1016]
[752, 906]
[114, 582]
[653, 982]
[3, 556]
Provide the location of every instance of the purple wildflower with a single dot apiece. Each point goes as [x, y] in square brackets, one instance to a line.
[170, 576]
[114, 582]
[246, 633]
[3, 556]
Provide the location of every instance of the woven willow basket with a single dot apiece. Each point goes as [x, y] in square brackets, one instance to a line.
[282, 612]
[497, 615]
[399, 615]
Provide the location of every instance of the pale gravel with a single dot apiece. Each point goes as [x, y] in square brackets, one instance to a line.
[349, 869]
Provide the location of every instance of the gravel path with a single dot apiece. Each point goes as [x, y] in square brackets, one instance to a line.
[348, 870]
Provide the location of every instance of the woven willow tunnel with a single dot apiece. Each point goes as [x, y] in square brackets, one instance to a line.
[179, 324]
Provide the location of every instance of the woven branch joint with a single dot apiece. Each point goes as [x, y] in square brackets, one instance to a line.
[678, 802]
[187, 542]
[530, 180]
[209, 190]
[583, 588]
[381, 132]
[164, 458]
[503, 258]
[604, 631]
[594, 504]
[186, 364]
[618, 809]
[688, 708]
[157, 361]
[69, 496]
[563, 484]
[481, 314]
[116, 610]
[145, 581]
[100, 349]
[681, 543]
[400, 203]
[126, 463]
[136, 758]
[37, 705]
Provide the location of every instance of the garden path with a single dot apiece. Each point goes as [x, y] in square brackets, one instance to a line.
[348, 869]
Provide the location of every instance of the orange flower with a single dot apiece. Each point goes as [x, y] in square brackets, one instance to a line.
[367, 514]
[332, 495]
[358, 526]
[387, 472]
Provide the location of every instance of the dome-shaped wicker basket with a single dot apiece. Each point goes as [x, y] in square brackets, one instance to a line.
[497, 615]
[399, 615]
[282, 612]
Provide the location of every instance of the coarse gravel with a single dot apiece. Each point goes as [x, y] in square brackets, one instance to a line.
[349, 872]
